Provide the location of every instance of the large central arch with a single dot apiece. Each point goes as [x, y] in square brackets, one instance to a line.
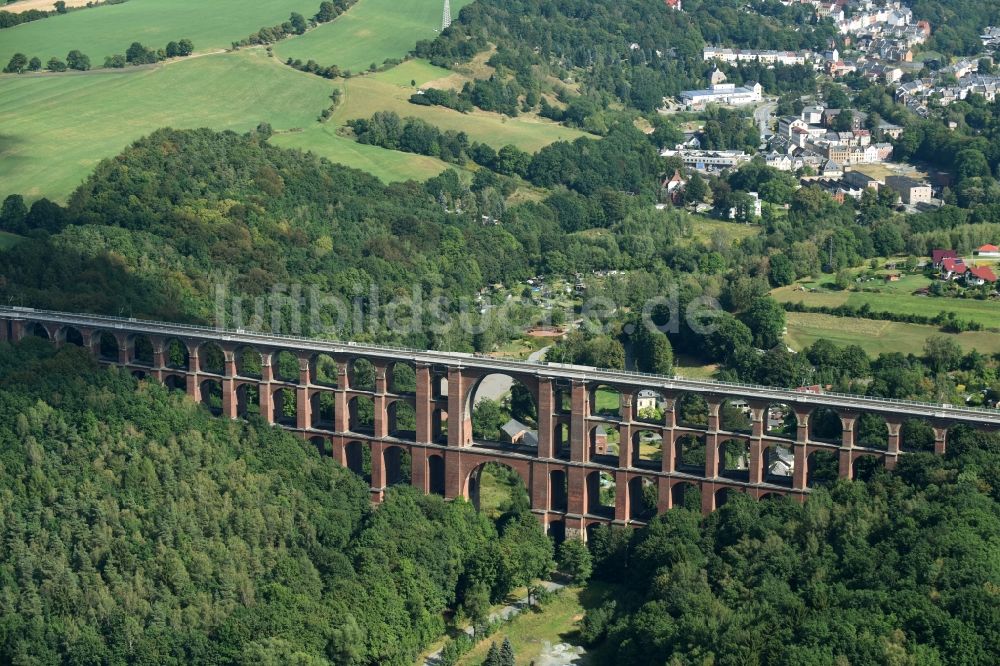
[501, 473]
[502, 411]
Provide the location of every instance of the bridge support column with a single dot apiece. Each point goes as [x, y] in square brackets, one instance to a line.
[664, 501]
[341, 414]
[124, 357]
[800, 471]
[378, 473]
[576, 503]
[848, 422]
[159, 358]
[4, 330]
[940, 440]
[303, 407]
[424, 407]
[712, 439]
[892, 450]
[453, 475]
[622, 498]
[418, 469]
[539, 487]
[265, 390]
[17, 327]
[579, 446]
[755, 465]
[546, 418]
[459, 423]
[193, 383]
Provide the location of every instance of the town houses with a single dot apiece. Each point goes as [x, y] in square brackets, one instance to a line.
[733, 56]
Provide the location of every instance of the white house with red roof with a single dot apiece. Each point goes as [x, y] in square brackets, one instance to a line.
[977, 276]
[952, 268]
[987, 251]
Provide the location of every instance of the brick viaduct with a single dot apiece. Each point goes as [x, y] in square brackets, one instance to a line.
[348, 400]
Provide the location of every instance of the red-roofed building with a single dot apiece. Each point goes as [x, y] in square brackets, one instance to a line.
[937, 256]
[979, 275]
[952, 269]
[674, 4]
[987, 251]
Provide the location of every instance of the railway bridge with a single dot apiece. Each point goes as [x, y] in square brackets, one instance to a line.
[593, 446]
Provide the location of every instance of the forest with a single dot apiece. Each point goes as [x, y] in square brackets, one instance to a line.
[899, 570]
[138, 528]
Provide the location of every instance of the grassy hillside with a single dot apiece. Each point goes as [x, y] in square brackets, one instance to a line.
[898, 298]
[103, 31]
[370, 32]
[876, 337]
[55, 129]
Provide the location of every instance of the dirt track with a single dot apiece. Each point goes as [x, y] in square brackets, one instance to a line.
[47, 5]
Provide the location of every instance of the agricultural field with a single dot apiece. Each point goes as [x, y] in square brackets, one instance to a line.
[876, 337]
[896, 297]
[370, 32]
[54, 130]
[109, 29]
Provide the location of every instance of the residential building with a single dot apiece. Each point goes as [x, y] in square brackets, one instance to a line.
[987, 250]
[725, 94]
[977, 276]
[910, 191]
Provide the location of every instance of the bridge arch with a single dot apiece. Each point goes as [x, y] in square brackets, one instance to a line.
[734, 458]
[561, 440]
[502, 409]
[685, 495]
[285, 365]
[38, 330]
[435, 474]
[735, 416]
[780, 421]
[361, 414]
[324, 370]
[321, 444]
[822, 467]
[401, 378]
[105, 346]
[358, 458]
[401, 415]
[249, 362]
[778, 464]
[211, 395]
[605, 402]
[691, 411]
[211, 358]
[871, 431]
[397, 466]
[361, 374]
[558, 491]
[175, 382]
[650, 407]
[176, 355]
[825, 426]
[647, 448]
[247, 399]
[643, 498]
[916, 435]
[140, 350]
[603, 443]
[689, 450]
[285, 406]
[69, 335]
[602, 490]
[867, 466]
[322, 410]
[473, 481]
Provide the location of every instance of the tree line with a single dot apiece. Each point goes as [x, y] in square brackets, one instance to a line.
[137, 54]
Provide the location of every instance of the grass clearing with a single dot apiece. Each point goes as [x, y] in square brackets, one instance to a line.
[897, 297]
[555, 623]
[876, 337]
[704, 229]
[370, 32]
[8, 240]
[363, 96]
[109, 29]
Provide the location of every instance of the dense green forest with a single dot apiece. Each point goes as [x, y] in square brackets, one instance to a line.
[900, 570]
[137, 528]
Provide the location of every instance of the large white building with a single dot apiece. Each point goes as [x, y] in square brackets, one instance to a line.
[767, 57]
[726, 94]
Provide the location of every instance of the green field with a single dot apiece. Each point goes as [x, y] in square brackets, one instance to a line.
[371, 31]
[53, 130]
[103, 31]
[897, 297]
[8, 240]
[876, 337]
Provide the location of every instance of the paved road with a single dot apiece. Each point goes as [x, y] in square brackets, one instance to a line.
[504, 613]
[496, 387]
[762, 115]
